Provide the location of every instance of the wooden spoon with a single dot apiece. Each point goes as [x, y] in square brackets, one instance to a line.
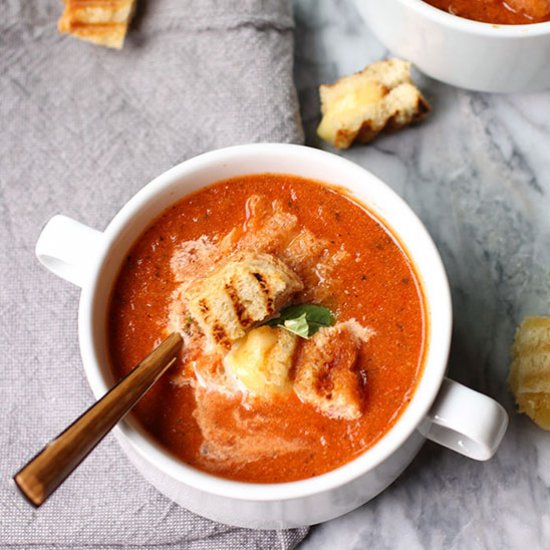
[40, 477]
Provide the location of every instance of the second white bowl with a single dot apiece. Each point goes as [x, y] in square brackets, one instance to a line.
[468, 54]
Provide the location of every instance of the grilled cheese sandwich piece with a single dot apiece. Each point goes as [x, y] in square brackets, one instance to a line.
[103, 22]
[359, 107]
[261, 360]
[327, 374]
[243, 292]
[529, 377]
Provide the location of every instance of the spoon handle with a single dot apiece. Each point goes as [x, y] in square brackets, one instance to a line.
[40, 477]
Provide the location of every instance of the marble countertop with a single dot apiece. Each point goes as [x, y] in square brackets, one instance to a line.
[477, 173]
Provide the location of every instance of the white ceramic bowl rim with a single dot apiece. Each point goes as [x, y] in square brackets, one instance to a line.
[475, 27]
[435, 361]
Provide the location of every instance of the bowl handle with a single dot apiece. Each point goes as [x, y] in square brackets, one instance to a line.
[69, 249]
[465, 421]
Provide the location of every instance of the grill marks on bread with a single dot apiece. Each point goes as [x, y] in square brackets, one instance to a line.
[529, 377]
[382, 97]
[244, 291]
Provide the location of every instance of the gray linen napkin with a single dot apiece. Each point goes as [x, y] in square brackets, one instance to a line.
[83, 128]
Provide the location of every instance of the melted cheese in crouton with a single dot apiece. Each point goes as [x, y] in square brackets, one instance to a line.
[360, 106]
[261, 361]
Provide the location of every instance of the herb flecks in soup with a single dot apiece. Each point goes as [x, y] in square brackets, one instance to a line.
[501, 12]
[253, 399]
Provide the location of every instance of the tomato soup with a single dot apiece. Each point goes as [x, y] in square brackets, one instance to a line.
[371, 280]
[509, 12]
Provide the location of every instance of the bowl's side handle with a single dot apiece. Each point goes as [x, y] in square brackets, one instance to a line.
[69, 249]
[465, 421]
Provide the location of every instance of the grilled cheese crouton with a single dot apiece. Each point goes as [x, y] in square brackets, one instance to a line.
[262, 359]
[243, 292]
[103, 22]
[529, 377]
[359, 107]
[327, 376]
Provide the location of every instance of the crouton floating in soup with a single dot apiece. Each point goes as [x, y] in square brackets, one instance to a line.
[243, 292]
[303, 322]
[328, 373]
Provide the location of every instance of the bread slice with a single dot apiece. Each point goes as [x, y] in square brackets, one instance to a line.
[327, 374]
[529, 377]
[103, 22]
[244, 291]
[359, 107]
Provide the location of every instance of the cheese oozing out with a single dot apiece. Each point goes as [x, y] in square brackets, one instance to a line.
[261, 360]
[360, 106]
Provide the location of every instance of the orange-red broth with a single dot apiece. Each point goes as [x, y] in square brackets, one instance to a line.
[378, 287]
[499, 12]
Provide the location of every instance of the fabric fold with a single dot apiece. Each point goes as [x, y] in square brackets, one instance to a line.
[200, 15]
[84, 128]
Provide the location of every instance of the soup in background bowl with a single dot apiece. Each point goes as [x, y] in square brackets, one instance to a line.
[477, 55]
[425, 404]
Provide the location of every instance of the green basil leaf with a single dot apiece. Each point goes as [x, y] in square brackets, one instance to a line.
[304, 319]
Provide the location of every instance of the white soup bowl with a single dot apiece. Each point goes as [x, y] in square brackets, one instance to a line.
[441, 410]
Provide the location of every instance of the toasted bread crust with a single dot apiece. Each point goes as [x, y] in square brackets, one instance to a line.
[529, 377]
[103, 22]
[244, 291]
[327, 376]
